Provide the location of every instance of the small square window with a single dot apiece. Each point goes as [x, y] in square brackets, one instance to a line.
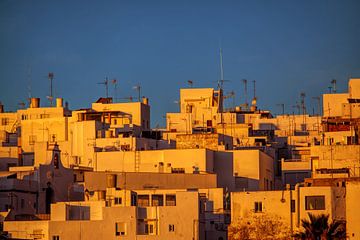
[118, 200]
[171, 228]
[143, 200]
[149, 228]
[157, 200]
[258, 207]
[315, 203]
[170, 200]
[120, 229]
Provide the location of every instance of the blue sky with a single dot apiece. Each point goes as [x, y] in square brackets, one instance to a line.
[288, 47]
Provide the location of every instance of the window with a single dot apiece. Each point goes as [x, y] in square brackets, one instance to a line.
[315, 203]
[56, 237]
[171, 228]
[133, 200]
[118, 200]
[258, 207]
[32, 139]
[157, 200]
[4, 121]
[149, 228]
[22, 203]
[111, 180]
[170, 200]
[120, 228]
[125, 147]
[56, 160]
[143, 200]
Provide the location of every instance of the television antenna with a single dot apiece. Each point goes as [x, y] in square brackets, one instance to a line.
[138, 89]
[106, 83]
[190, 82]
[51, 97]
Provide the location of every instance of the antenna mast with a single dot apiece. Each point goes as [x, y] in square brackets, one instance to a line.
[138, 89]
[106, 83]
[282, 105]
[221, 70]
[190, 82]
[318, 103]
[333, 82]
[29, 82]
[245, 93]
[303, 108]
[254, 82]
[51, 78]
[114, 82]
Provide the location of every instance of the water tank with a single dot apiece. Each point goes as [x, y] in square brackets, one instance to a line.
[59, 102]
[35, 102]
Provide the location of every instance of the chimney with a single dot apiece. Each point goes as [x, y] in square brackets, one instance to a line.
[59, 102]
[35, 102]
[145, 100]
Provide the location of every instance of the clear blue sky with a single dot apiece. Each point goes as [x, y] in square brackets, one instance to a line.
[286, 46]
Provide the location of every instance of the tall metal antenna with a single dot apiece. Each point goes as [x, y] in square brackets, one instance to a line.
[303, 107]
[254, 82]
[138, 89]
[297, 106]
[190, 82]
[231, 95]
[106, 83]
[221, 81]
[29, 70]
[51, 97]
[333, 82]
[245, 93]
[114, 82]
[282, 105]
[318, 103]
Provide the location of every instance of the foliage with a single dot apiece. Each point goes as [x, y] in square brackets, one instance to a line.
[318, 228]
[259, 226]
